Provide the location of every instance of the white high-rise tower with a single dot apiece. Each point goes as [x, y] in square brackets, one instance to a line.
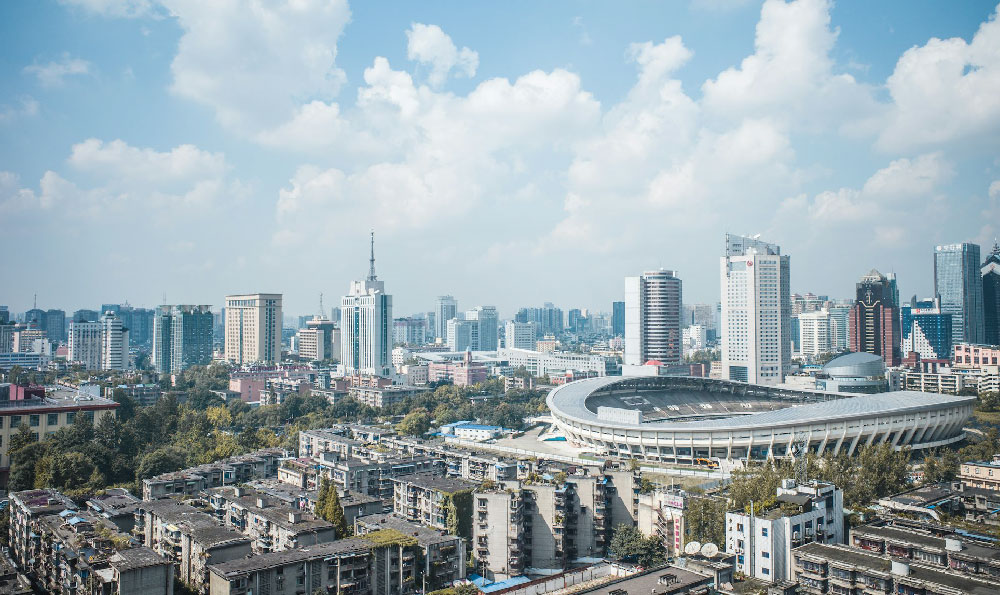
[653, 318]
[253, 328]
[366, 325]
[756, 311]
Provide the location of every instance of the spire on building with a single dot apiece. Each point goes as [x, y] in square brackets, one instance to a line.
[371, 261]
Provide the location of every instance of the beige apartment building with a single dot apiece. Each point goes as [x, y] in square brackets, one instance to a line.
[253, 328]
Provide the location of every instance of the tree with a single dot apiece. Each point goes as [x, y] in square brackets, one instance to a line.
[328, 508]
[627, 543]
[416, 423]
[126, 406]
[161, 460]
[705, 518]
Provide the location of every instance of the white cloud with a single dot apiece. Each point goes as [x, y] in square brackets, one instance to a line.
[52, 74]
[429, 45]
[907, 178]
[26, 107]
[946, 90]
[256, 63]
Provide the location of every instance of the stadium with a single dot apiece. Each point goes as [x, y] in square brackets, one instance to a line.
[691, 420]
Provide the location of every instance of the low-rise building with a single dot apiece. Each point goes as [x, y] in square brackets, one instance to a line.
[949, 551]
[271, 525]
[353, 503]
[661, 514]
[143, 394]
[190, 538]
[981, 474]
[261, 464]
[443, 555]
[800, 514]
[314, 442]
[374, 478]
[117, 505]
[383, 396]
[431, 500]
[379, 563]
[467, 430]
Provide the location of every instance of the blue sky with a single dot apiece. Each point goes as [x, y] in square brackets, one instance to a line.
[507, 153]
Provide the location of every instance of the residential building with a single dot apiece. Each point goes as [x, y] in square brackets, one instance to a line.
[272, 526]
[144, 395]
[409, 331]
[618, 319]
[319, 340]
[379, 563]
[815, 332]
[520, 335]
[991, 297]
[548, 318]
[366, 325]
[446, 309]
[958, 282]
[191, 539]
[925, 329]
[539, 363]
[981, 474]
[661, 514]
[653, 318]
[464, 372]
[85, 346]
[461, 334]
[44, 412]
[487, 324]
[261, 464]
[976, 356]
[76, 552]
[373, 478]
[801, 513]
[182, 337]
[443, 555]
[756, 311]
[874, 319]
[930, 546]
[253, 328]
[383, 396]
[442, 503]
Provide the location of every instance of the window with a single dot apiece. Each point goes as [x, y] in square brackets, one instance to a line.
[763, 531]
[765, 571]
[34, 420]
[15, 421]
[1, 422]
[765, 554]
[53, 419]
[34, 436]
[89, 415]
[70, 417]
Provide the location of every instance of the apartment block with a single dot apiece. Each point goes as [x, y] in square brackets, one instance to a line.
[427, 498]
[143, 394]
[296, 497]
[191, 539]
[261, 464]
[949, 551]
[272, 525]
[443, 555]
[981, 474]
[314, 442]
[383, 396]
[374, 478]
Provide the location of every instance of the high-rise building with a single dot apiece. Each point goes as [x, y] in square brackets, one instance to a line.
[253, 328]
[182, 337]
[460, 334]
[873, 324]
[991, 297]
[86, 316]
[319, 340]
[926, 329]
[486, 324]
[959, 282]
[114, 343]
[756, 311]
[35, 318]
[548, 318]
[520, 335]
[55, 325]
[814, 332]
[618, 319]
[139, 322]
[366, 325]
[839, 318]
[85, 344]
[653, 318]
[409, 331]
[447, 308]
[4, 315]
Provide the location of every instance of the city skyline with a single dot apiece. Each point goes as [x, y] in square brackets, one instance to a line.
[420, 119]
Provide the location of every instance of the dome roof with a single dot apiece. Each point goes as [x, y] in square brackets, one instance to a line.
[855, 365]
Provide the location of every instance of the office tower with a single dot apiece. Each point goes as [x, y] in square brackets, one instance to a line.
[460, 334]
[575, 320]
[926, 329]
[447, 308]
[253, 328]
[548, 318]
[319, 340]
[653, 318]
[814, 332]
[182, 337]
[485, 331]
[809, 302]
[113, 308]
[756, 311]
[35, 318]
[114, 343]
[366, 325]
[839, 318]
[959, 282]
[55, 325]
[432, 329]
[618, 319]
[4, 315]
[85, 344]
[86, 316]
[873, 324]
[520, 335]
[409, 331]
[991, 297]
[139, 322]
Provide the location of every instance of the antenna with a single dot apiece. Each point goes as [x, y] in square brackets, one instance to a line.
[164, 302]
[321, 304]
[34, 304]
[371, 261]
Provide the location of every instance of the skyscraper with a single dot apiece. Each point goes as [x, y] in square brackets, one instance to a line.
[520, 335]
[85, 344]
[925, 329]
[55, 325]
[653, 318]
[487, 322]
[991, 297]
[873, 324]
[959, 282]
[253, 328]
[618, 319]
[447, 308]
[182, 337]
[366, 325]
[319, 340]
[461, 334]
[114, 343]
[755, 311]
[815, 331]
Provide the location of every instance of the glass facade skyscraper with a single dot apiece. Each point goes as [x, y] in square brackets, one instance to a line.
[959, 284]
[991, 296]
[618, 319]
[926, 330]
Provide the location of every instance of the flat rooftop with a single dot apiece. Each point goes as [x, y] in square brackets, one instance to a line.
[431, 481]
[276, 559]
[424, 535]
[674, 580]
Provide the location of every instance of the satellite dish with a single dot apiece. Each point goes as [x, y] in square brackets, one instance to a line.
[692, 547]
[710, 550]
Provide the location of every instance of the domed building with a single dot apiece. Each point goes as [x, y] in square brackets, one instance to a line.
[854, 373]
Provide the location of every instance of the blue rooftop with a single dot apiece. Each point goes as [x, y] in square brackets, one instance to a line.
[479, 427]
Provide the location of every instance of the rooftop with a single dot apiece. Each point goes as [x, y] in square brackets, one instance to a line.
[423, 535]
[274, 559]
[927, 541]
[43, 501]
[137, 557]
[436, 482]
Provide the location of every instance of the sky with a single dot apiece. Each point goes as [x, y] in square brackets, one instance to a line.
[507, 153]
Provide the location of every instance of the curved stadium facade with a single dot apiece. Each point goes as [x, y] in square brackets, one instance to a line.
[680, 419]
